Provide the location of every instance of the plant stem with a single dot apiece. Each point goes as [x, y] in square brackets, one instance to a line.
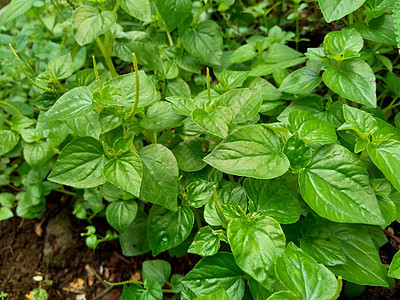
[197, 217]
[208, 86]
[10, 106]
[171, 42]
[50, 90]
[391, 105]
[135, 104]
[107, 58]
[115, 7]
[231, 178]
[219, 208]
[197, 16]
[56, 80]
[124, 282]
[58, 9]
[62, 190]
[297, 38]
[351, 20]
[96, 72]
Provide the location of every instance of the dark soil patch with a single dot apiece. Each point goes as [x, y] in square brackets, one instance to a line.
[79, 273]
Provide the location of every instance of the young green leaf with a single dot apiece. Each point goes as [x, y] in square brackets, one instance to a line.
[243, 53]
[125, 172]
[206, 242]
[37, 154]
[148, 94]
[363, 265]
[243, 103]
[274, 199]
[160, 116]
[139, 9]
[61, 67]
[358, 120]
[301, 81]
[320, 242]
[74, 103]
[298, 153]
[80, 164]
[87, 125]
[229, 198]
[88, 24]
[120, 214]
[160, 176]
[215, 122]
[337, 9]
[336, 186]
[15, 9]
[303, 276]
[353, 80]
[9, 139]
[256, 244]
[345, 43]
[174, 12]
[167, 229]
[386, 156]
[156, 270]
[253, 151]
[283, 295]
[396, 21]
[111, 95]
[212, 274]
[190, 153]
[394, 269]
[203, 40]
[220, 295]
[5, 213]
[135, 239]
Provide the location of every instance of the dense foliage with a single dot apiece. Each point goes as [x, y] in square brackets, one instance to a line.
[218, 127]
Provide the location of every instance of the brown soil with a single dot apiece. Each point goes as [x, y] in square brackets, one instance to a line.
[74, 269]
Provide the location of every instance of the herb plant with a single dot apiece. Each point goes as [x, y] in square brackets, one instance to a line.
[211, 127]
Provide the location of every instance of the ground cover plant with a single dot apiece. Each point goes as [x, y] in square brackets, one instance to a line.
[217, 128]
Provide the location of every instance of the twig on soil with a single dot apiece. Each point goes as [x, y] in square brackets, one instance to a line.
[104, 292]
[121, 257]
[11, 186]
[21, 224]
[89, 269]
[391, 235]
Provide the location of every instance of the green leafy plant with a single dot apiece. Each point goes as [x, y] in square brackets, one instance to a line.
[212, 128]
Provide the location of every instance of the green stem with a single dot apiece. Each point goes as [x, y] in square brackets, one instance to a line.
[10, 106]
[351, 20]
[124, 282]
[62, 190]
[219, 208]
[115, 7]
[196, 217]
[107, 58]
[43, 24]
[171, 42]
[231, 178]
[58, 9]
[96, 72]
[208, 86]
[391, 105]
[50, 90]
[243, 214]
[297, 26]
[135, 104]
[56, 80]
[6, 121]
[197, 16]
[75, 51]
